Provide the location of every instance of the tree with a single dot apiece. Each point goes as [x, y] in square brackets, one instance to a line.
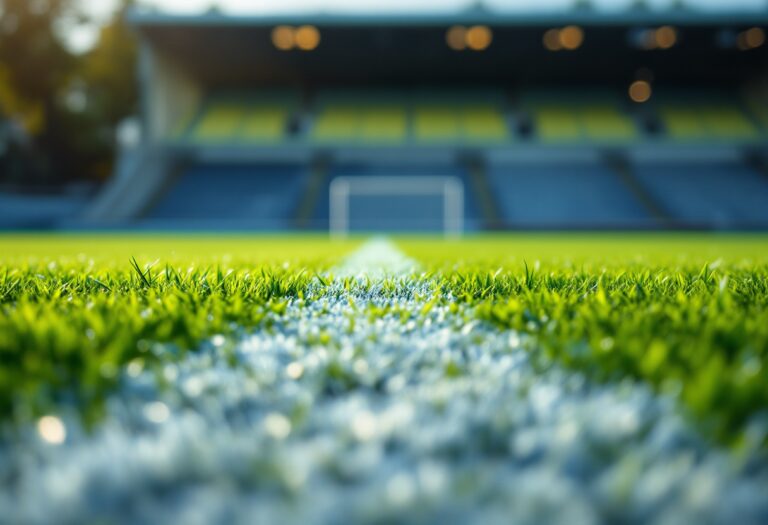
[109, 70]
[107, 75]
[40, 78]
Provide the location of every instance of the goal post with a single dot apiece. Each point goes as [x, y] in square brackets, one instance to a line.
[344, 189]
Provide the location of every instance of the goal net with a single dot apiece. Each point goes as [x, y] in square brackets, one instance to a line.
[418, 204]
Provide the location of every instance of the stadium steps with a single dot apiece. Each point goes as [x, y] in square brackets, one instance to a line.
[487, 202]
[623, 171]
[318, 179]
[140, 177]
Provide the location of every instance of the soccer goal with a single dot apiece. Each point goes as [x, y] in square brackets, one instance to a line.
[396, 204]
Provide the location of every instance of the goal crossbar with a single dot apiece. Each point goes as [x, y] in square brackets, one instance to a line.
[451, 189]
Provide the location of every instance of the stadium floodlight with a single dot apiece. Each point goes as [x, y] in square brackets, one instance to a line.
[449, 189]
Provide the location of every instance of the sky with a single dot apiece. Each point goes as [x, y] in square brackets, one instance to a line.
[84, 37]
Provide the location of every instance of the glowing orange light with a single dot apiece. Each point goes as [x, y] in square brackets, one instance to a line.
[665, 37]
[754, 37]
[456, 38]
[571, 37]
[552, 40]
[283, 38]
[640, 91]
[479, 38]
[307, 38]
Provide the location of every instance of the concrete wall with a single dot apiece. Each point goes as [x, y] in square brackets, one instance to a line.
[170, 95]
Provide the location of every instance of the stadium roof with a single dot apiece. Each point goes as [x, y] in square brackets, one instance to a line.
[585, 16]
[222, 50]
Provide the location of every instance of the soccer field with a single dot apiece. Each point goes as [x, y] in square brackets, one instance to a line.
[532, 378]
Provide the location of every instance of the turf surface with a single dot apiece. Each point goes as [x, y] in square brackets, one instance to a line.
[572, 359]
[686, 313]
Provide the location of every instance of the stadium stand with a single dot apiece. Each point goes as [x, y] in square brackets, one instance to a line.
[360, 118]
[692, 119]
[539, 138]
[257, 119]
[263, 198]
[590, 116]
[372, 118]
[719, 194]
[19, 211]
[572, 194]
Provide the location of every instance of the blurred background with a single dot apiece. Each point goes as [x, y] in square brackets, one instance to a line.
[445, 116]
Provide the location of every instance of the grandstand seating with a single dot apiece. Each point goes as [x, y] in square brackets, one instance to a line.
[605, 122]
[556, 123]
[716, 194]
[541, 194]
[361, 124]
[263, 198]
[471, 117]
[540, 138]
[242, 120]
[579, 116]
[579, 194]
[359, 118]
[702, 122]
[396, 117]
[706, 116]
[459, 123]
[21, 211]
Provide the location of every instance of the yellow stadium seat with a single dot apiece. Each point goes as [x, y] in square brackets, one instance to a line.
[337, 123]
[264, 124]
[483, 123]
[728, 122]
[557, 124]
[607, 123]
[757, 105]
[683, 123]
[383, 125]
[708, 122]
[219, 122]
[436, 124]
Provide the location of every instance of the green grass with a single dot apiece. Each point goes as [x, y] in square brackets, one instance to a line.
[76, 310]
[686, 314]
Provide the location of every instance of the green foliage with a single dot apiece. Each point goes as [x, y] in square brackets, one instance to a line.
[39, 74]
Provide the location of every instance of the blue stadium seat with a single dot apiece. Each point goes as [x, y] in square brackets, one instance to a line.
[19, 211]
[724, 194]
[265, 197]
[564, 195]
